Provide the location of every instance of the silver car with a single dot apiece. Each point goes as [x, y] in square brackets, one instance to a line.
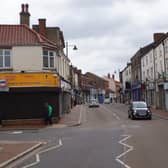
[139, 109]
[93, 103]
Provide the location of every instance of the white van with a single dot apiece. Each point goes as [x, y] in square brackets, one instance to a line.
[107, 100]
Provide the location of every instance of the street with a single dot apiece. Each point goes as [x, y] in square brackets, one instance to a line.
[105, 139]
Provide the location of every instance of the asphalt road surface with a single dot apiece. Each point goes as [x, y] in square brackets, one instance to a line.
[106, 139]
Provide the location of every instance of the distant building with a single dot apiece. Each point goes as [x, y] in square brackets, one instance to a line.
[111, 90]
[126, 83]
[100, 86]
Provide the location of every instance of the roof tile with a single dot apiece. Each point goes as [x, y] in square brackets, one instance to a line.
[21, 35]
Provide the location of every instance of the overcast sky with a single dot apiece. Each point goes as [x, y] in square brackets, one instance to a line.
[106, 32]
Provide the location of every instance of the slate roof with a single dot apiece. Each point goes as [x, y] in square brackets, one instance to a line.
[142, 51]
[11, 35]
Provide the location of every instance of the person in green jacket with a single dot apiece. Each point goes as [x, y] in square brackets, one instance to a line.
[49, 113]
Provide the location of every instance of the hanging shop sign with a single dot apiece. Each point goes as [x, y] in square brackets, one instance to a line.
[65, 86]
[3, 83]
[29, 80]
[165, 86]
[150, 86]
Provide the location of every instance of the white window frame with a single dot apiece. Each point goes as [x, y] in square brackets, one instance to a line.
[3, 58]
[49, 57]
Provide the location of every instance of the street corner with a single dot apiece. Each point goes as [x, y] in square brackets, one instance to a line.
[11, 151]
[71, 119]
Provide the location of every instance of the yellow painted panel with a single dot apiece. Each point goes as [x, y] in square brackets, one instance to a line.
[30, 79]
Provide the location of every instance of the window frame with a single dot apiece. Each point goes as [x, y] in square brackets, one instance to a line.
[4, 56]
[50, 59]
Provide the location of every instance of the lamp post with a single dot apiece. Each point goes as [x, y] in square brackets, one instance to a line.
[67, 54]
[69, 45]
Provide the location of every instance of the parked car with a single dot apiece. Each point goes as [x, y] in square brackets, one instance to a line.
[93, 103]
[107, 100]
[139, 109]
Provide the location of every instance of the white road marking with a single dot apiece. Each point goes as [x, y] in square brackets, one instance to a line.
[80, 116]
[41, 152]
[114, 114]
[16, 132]
[20, 155]
[129, 149]
[118, 118]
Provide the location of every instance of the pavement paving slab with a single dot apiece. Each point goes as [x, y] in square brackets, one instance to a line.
[13, 150]
[160, 113]
[72, 118]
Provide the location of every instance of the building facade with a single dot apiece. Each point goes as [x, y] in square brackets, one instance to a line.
[28, 73]
[33, 70]
[126, 84]
[100, 85]
[55, 35]
[149, 71]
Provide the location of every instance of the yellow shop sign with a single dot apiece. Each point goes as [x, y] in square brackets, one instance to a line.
[30, 79]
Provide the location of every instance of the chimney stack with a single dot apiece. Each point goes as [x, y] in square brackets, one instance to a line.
[108, 75]
[158, 36]
[42, 27]
[24, 14]
[113, 77]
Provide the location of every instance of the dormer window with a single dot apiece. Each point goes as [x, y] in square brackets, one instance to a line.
[5, 58]
[48, 59]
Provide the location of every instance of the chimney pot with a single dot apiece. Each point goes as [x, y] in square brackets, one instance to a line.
[22, 6]
[27, 8]
[24, 15]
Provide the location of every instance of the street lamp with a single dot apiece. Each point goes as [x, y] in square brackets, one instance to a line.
[69, 45]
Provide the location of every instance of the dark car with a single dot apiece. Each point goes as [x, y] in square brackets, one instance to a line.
[139, 109]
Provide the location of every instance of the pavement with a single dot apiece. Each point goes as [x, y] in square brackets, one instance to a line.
[160, 113]
[11, 151]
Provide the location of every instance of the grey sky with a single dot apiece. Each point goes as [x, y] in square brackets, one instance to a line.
[106, 32]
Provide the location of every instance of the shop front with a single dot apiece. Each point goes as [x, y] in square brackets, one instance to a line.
[23, 96]
[65, 97]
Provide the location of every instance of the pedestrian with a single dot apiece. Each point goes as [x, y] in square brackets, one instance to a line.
[48, 114]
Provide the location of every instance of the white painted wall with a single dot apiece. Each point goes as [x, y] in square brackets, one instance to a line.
[27, 58]
[147, 66]
[166, 56]
[126, 75]
[159, 60]
[64, 67]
